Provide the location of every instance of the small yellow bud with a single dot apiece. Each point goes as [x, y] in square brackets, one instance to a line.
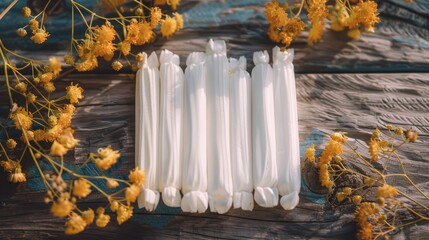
[10, 143]
[357, 199]
[340, 196]
[139, 57]
[69, 59]
[348, 191]
[117, 65]
[389, 127]
[21, 32]
[26, 12]
[139, 11]
[354, 34]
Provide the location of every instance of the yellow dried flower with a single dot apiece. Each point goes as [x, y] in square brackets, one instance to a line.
[22, 119]
[348, 191]
[124, 213]
[54, 66]
[9, 165]
[57, 149]
[114, 206]
[39, 135]
[155, 16]
[21, 87]
[137, 176]
[132, 192]
[102, 220]
[88, 216]
[49, 87]
[46, 77]
[69, 59]
[81, 188]
[179, 20]
[39, 36]
[357, 199]
[168, 26]
[173, 4]
[411, 135]
[139, 33]
[67, 140]
[31, 98]
[310, 152]
[17, 176]
[139, 11]
[62, 207]
[354, 34]
[386, 191]
[116, 65]
[111, 183]
[52, 120]
[88, 63]
[105, 33]
[21, 32]
[139, 57]
[74, 93]
[340, 196]
[275, 14]
[75, 224]
[125, 47]
[26, 12]
[374, 150]
[33, 24]
[106, 158]
[10, 143]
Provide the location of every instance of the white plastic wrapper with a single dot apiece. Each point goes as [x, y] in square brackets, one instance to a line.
[171, 110]
[288, 159]
[147, 126]
[263, 133]
[241, 144]
[220, 187]
[194, 180]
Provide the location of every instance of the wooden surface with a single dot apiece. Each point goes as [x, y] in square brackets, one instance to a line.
[352, 86]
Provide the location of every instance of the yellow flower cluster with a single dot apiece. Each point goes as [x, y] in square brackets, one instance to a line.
[333, 149]
[106, 158]
[351, 14]
[364, 14]
[14, 169]
[361, 180]
[317, 13]
[282, 29]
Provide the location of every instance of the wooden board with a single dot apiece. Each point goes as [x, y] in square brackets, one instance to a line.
[352, 86]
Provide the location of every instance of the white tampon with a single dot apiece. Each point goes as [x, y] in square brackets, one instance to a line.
[241, 145]
[147, 126]
[194, 178]
[220, 187]
[288, 160]
[170, 175]
[263, 132]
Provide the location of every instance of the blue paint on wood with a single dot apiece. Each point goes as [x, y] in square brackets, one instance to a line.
[316, 137]
[157, 219]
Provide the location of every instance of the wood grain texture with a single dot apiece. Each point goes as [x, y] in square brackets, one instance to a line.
[352, 86]
[355, 103]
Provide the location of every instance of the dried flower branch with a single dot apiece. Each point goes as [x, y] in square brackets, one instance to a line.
[380, 207]
[42, 115]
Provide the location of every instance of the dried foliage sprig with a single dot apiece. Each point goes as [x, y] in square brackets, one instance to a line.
[380, 207]
[286, 23]
[38, 128]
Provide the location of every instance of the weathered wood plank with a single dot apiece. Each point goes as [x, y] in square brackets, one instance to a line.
[355, 103]
[399, 44]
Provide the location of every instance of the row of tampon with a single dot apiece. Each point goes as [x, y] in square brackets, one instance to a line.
[214, 133]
